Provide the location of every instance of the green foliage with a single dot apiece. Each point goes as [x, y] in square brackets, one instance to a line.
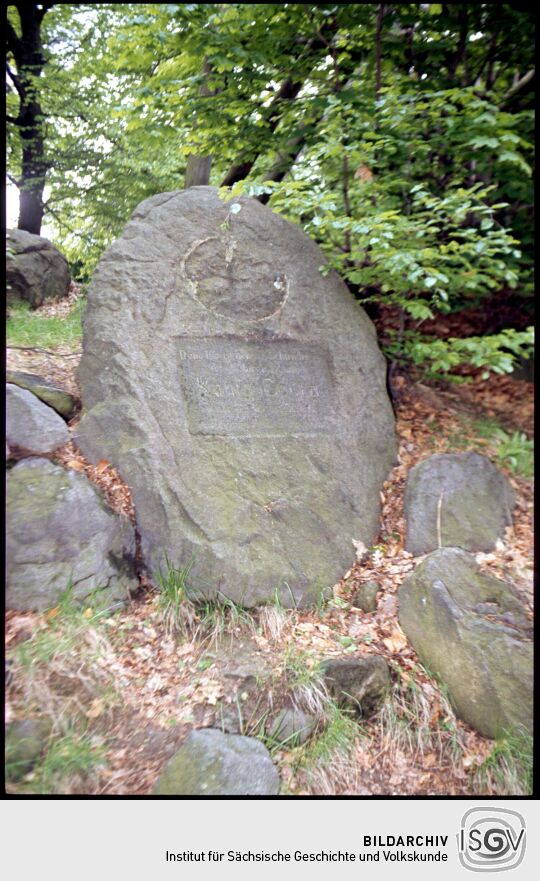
[31, 328]
[414, 175]
[516, 451]
[497, 352]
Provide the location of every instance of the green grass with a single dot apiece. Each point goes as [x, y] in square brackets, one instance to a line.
[177, 609]
[338, 736]
[29, 328]
[508, 770]
[67, 764]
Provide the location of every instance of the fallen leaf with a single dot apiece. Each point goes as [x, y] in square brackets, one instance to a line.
[96, 708]
[75, 464]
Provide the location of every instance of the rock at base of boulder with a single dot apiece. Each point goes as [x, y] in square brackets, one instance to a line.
[25, 741]
[60, 533]
[31, 425]
[456, 500]
[360, 684]
[292, 727]
[45, 390]
[212, 763]
[365, 596]
[471, 630]
[35, 270]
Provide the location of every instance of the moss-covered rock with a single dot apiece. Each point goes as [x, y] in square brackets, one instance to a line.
[212, 763]
[59, 533]
[359, 684]
[45, 390]
[471, 630]
[26, 740]
[456, 500]
[365, 596]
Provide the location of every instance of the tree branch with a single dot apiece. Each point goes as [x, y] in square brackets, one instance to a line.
[521, 83]
[15, 80]
[287, 92]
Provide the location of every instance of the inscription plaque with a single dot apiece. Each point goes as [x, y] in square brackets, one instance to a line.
[234, 387]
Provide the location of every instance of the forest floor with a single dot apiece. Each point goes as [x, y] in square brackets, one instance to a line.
[122, 690]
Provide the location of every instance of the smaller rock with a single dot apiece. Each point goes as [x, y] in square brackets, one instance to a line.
[45, 390]
[359, 683]
[31, 425]
[212, 763]
[472, 630]
[365, 596]
[60, 532]
[292, 727]
[456, 500]
[26, 739]
[35, 269]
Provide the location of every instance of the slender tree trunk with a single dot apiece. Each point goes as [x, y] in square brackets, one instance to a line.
[27, 53]
[378, 31]
[198, 171]
[198, 166]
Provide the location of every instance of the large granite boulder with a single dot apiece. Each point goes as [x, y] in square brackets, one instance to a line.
[32, 426]
[212, 763]
[471, 630]
[240, 394]
[44, 389]
[35, 270]
[61, 533]
[456, 500]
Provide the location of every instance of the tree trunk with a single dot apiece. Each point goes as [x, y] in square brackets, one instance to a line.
[198, 171]
[27, 52]
[198, 166]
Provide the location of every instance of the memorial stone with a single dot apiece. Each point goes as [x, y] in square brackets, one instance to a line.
[241, 394]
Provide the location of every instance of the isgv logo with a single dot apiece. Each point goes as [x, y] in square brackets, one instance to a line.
[491, 839]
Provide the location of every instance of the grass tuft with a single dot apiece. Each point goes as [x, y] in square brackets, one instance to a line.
[508, 770]
[177, 609]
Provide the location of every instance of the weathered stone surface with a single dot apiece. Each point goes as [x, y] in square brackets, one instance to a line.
[472, 631]
[26, 739]
[240, 394]
[365, 596]
[31, 425]
[358, 683]
[59, 531]
[292, 727]
[45, 390]
[461, 495]
[35, 270]
[212, 763]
